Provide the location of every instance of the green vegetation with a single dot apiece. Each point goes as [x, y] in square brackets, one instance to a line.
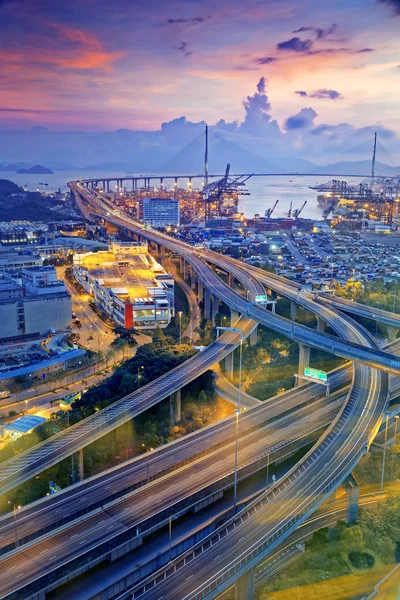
[343, 550]
[375, 293]
[270, 365]
[150, 429]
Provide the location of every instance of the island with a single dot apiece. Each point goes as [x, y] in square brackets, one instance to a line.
[36, 170]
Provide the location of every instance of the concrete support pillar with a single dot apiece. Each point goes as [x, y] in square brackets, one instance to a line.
[215, 308]
[231, 280]
[162, 254]
[253, 337]
[81, 468]
[181, 264]
[392, 332]
[245, 586]
[320, 324]
[229, 366]
[175, 407]
[193, 279]
[293, 310]
[207, 303]
[304, 358]
[185, 270]
[353, 496]
[200, 291]
[234, 316]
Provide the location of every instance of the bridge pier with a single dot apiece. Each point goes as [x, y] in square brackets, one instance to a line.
[304, 359]
[231, 280]
[392, 332]
[185, 270]
[181, 264]
[320, 324]
[175, 407]
[353, 495]
[245, 586]
[193, 279]
[200, 291]
[207, 303]
[235, 315]
[162, 254]
[81, 467]
[293, 310]
[215, 308]
[229, 366]
[253, 337]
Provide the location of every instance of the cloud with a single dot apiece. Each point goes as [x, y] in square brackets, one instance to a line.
[183, 48]
[364, 50]
[302, 120]
[258, 121]
[265, 60]
[319, 31]
[394, 4]
[295, 44]
[192, 20]
[323, 94]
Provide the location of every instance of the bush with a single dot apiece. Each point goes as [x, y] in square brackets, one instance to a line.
[361, 560]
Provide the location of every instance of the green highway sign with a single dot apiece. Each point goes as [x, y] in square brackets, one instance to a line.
[261, 298]
[315, 374]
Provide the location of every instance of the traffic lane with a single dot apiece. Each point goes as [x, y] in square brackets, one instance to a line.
[118, 413]
[50, 510]
[143, 503]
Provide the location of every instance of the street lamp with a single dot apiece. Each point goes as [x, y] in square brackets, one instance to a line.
[148, 450]
[180, 326]
[139, 375]
[384, 453]
[26, 405]
[15, 508]
[396, 419]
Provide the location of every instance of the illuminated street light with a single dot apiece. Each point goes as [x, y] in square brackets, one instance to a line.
[180, 326]
[15, 507]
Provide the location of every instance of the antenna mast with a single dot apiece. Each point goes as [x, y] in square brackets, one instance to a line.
[206, 159]
[373, 160]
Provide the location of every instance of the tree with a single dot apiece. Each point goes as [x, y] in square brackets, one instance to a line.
[158, 337]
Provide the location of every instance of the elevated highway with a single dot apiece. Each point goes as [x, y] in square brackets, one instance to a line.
[231, 553]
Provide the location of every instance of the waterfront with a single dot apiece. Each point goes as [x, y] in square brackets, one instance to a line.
[263, 190]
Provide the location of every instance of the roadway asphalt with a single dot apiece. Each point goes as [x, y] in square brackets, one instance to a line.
[21, 568]
[341, 448]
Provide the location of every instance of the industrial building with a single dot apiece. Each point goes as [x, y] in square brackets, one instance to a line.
[127, 284]
[160, 212]
[33, 302]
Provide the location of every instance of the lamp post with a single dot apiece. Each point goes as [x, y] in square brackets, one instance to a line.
[15, 508]
[139, 376]
[148, 450]
[180, 327]
[384, 454]
[396, 420]
[26, 406]
[237, 411]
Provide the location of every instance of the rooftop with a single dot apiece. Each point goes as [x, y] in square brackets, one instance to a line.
[25, 424]
[130, 275]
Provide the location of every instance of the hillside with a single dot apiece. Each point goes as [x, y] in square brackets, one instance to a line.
[15, 204]
[36, 170]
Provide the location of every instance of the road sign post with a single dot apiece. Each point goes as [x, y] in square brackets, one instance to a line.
[316, 376]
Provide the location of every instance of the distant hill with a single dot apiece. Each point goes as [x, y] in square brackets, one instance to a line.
[16, 204]
[359, 167]
[8, 187]
[36, 170]
[15, 166]
[191, 158]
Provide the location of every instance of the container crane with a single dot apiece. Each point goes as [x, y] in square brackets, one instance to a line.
[328, 210]
[289, 215]
[298, 211]
[269, 211]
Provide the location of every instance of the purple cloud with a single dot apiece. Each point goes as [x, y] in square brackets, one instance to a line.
[363, 50]
[323, 94]
[394, 4]
[302, 120]
[319, 31]
[265, 60]
[295, 44]
[193, 20]
[183, 48]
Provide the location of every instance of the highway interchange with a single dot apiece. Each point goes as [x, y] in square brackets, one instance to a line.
[281, 509]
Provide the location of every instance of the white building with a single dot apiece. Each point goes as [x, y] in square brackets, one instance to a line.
[160, 212]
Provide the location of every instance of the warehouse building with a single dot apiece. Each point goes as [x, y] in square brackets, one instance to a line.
[126, 284]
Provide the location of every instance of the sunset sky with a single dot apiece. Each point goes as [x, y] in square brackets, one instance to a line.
[101, 65]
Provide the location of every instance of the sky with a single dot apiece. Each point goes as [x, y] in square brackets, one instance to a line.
[261, 67]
